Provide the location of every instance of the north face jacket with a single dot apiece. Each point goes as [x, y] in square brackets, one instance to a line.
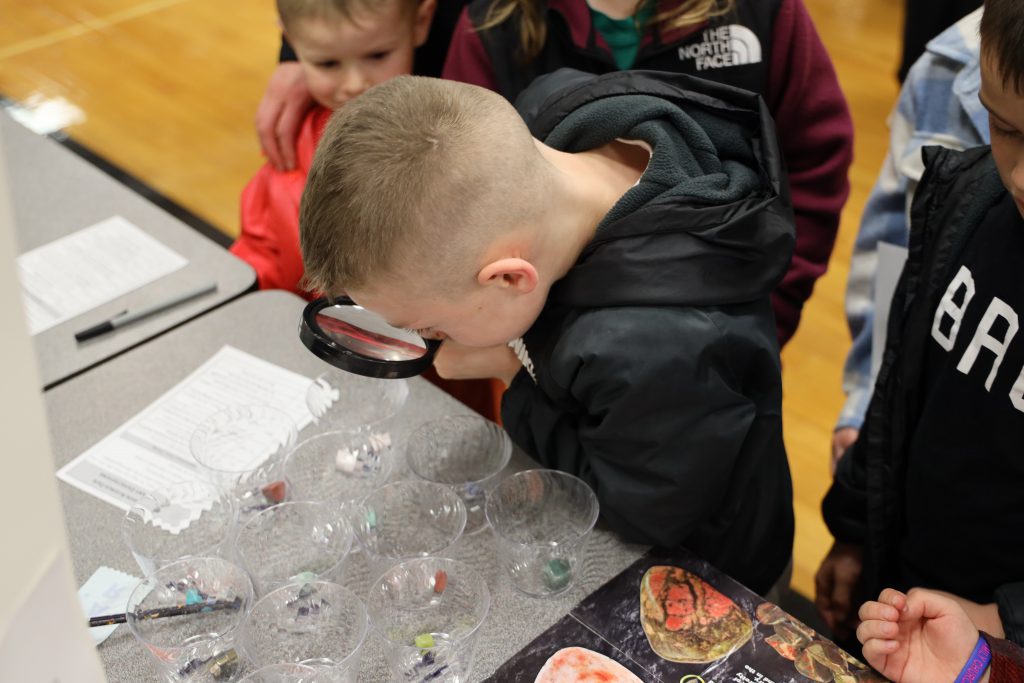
[770, 47]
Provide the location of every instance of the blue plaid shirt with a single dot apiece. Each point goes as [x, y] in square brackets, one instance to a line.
[938, 105]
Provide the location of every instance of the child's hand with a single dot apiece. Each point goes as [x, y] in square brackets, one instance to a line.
[280, 113]
[842, 439]
[921, 637]
[985, 617]
[455, 361]
[834, 585]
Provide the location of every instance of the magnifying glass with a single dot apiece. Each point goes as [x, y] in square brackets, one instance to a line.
[354, 339]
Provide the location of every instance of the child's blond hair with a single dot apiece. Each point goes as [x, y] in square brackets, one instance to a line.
[533, 29]
[416, 175]
[350, 10]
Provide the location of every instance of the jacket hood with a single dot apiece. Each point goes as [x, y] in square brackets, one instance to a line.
[710, 221]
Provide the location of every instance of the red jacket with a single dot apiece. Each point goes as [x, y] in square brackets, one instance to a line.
[767, 46]
[270, 213]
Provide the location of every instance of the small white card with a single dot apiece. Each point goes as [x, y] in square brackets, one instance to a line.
[151, 450]
[106, 592]
[88, 268]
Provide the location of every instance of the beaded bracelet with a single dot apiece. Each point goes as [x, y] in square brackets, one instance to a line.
[976, 663]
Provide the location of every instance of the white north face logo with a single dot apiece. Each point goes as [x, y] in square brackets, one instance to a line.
[730, 45]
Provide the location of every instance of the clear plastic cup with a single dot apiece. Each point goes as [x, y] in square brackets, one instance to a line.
[286, 673]
[186, 519]
[319, 624]
[541, 521]
[407, 519]
[429, 610]
[187, 616]
[242, 450]
[467, 452]
[339, 466]
[294, 542]
[342, 400]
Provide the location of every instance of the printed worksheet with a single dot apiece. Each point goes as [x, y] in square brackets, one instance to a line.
[151, 450]
[88, 268]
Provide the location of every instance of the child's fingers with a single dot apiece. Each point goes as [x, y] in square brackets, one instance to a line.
[876, 610]
[876, 650]
[891, 596]
[875, 629]
[932, 605]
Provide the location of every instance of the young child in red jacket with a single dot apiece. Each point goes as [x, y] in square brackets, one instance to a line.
[344, 47]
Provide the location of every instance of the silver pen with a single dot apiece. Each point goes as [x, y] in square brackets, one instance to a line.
[126, 317]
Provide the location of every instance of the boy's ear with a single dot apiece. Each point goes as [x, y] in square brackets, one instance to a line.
[516, 273]
[424, 16]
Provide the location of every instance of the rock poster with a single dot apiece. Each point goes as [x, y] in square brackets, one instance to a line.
[673, 618]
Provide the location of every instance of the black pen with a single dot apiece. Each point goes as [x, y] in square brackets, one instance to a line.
[123, 319]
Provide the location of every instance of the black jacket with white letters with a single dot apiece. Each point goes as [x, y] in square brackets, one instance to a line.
[933, 490]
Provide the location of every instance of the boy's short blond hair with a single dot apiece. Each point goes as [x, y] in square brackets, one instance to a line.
[350, 10]
[417, 175]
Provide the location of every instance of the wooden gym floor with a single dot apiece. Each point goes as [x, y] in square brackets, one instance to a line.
[169, 88]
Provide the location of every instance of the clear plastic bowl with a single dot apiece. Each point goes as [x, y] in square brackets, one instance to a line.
[317, 624]
[286, 673]
[467, 452]
[186, 519]
[541, 521]
[342, 400]
[187, 616]
[294, 542]
[429, 610]
[339, 466]
[407, 519]
[242, 450]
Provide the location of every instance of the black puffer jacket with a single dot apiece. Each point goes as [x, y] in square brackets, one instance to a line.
[656, 362]
[866, 503]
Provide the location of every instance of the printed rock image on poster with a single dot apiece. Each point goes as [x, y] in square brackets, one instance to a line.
[676, 619]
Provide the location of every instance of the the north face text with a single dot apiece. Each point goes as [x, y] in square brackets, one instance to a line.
[731, 45]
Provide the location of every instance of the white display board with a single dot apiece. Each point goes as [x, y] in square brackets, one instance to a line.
[43, 634]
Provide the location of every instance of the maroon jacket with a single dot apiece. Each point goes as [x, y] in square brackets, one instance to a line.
[1007, 661]
[767, 46]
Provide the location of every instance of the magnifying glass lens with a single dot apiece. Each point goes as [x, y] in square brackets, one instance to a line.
[366, 334]
[354, 339]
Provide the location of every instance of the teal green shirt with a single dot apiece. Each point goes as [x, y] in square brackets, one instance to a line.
[623, 35]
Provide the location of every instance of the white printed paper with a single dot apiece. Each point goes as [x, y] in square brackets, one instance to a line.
[106, 592]
[152, 449]
[890, 266]
[88, 268]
